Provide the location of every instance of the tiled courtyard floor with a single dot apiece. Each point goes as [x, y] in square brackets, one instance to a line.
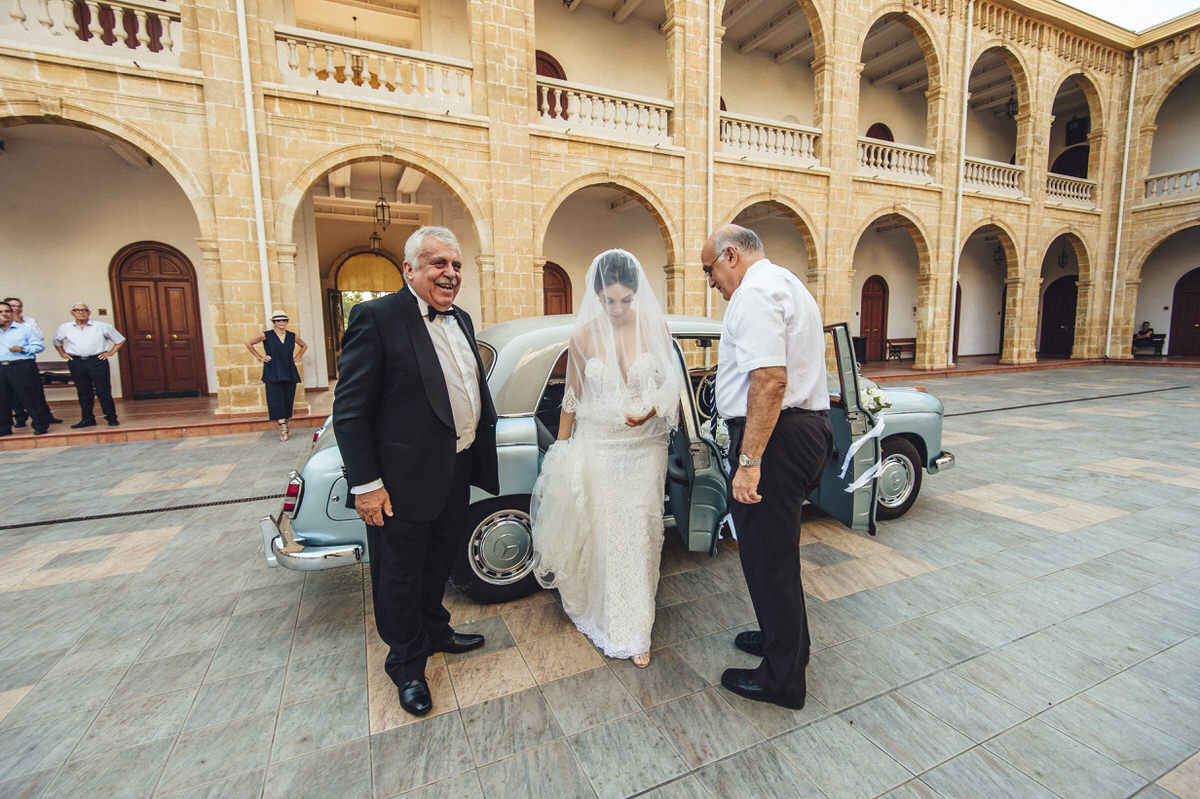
[1029, 629]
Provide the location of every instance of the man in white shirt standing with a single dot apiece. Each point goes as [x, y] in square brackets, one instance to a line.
[86, 346]
[772, 393]
[20, 413]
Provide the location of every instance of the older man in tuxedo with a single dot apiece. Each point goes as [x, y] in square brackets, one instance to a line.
[416, 427]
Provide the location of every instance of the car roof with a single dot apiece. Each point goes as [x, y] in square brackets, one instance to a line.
[526, 350]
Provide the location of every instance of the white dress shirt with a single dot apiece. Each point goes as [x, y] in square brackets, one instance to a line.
[30, 322]
[91, 339]
[771, 320]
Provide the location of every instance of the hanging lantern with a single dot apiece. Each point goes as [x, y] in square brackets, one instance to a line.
[383, 211]
[1012, 107]
[375, 241]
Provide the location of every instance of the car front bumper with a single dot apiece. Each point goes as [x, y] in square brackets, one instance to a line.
[943, 461]
[282, 549]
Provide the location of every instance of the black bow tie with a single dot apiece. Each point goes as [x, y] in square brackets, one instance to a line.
[434, 313]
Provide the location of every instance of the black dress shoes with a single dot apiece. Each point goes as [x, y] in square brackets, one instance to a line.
[751, 641]
[458, 643]
[112, 422]
[55, 420]
[84, 423]
[743, 683]
[414, 697]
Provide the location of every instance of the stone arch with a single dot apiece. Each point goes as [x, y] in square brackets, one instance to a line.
[1154, 102]
[1016, 67]
[1008, 240]
[295, 188]
[919, 27]
[909, 221]
[80, 117]
[1078, 246]
[795, 211]
[1138, 262]
[1090, 93]
[646, 197]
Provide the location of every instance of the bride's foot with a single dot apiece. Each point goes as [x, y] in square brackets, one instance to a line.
[642, 660]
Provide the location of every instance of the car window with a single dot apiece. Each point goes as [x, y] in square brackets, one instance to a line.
[833, 378]
[488, 356]
[550, 403]
[700, 355]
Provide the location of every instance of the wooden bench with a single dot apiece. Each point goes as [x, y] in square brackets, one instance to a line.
[1155, 342]
[55, 373]
[898, 346]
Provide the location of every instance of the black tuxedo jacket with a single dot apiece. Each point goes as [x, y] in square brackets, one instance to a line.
[391, 410]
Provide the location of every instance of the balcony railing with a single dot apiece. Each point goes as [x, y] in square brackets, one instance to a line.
[993, 177]
[1172, 185]
[126, 29]
[1080, 191]
[777, 141]
[602, 112]
[337, 65]
[885, 159]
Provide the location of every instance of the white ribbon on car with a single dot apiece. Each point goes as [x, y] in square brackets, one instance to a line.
[873, 472]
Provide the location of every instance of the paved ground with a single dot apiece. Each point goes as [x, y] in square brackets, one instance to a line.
[1029, 629]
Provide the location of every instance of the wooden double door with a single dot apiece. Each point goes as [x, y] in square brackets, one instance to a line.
[158, 311]
[1185, 316]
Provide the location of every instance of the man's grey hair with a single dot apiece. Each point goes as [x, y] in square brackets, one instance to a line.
[412, 247]
[741, 239]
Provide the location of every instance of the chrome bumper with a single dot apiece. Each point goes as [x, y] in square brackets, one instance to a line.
[283, 550]
[943, 461]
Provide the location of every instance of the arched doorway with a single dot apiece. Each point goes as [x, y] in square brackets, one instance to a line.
[1058, 317]
[157, 310]
[556, 290]
[872, 318]
[880, 131]
[360, 277]
[551, 102]
[1185, 316]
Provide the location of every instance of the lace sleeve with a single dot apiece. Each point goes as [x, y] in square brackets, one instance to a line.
[570, 402]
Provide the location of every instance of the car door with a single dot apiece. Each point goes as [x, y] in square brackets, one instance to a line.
[851, 424]
[697, 488]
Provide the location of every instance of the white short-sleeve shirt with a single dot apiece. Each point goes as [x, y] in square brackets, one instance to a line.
[771, 320]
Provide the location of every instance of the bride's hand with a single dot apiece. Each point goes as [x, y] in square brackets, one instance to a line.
[638, 421]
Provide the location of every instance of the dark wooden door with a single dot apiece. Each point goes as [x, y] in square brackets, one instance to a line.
[556, 290]
[1185, 316]
[159, 313]
[872, 316]
[1058, 317]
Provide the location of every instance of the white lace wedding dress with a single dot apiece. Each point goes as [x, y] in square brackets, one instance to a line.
[598, 505]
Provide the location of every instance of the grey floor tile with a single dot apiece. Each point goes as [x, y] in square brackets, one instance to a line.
[837, 683]
[419, 754]
[711, 655]
[1069, 666]
[979, 774]
[772, 720]
[886, 658]
[40, 746]
[347, 607]
[682, 788]
[338, 671]
[626, 756]
[151, 677]
[260, 623]
[184, 639]
[681, 622]
[22, 671]
[833, 625]
[727, 609]
[91, 655]
[268, 596]
[1090, 635]
[912, 736]
[1152, 703]
[244, 695]
[239, 786]
[1012, 681]
[607, 699]
[1180, 674]
[32, 786]
[760, 771]
[321, 639]
[913, 789]
[695, 583]
[342, 771]
[703, 727]
[548, 772]
[962, 704]
[213, 753]
[243, 657]
[60, 696]
[496, 636]
[1118, 736]
[136, 722]
[840, 761]
[119, 774]
[510, 724]
[1155, 607]
[1061, 763]
[970, 620]
[328, 721]
[934, 640]
[460, 786]
[667, 677]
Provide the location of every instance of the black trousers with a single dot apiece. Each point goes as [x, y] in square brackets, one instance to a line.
[281, 397]
[21, 387]
[93, 380]
[410, 563]
[769, 542]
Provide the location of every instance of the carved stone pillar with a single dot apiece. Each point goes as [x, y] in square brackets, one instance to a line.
[285, 258]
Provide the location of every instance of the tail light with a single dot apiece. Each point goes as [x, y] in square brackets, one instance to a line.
[291, 497]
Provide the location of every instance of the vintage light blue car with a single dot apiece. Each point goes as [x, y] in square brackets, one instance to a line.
[318, 528]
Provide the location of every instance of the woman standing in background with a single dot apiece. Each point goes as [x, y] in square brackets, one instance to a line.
[280, 375]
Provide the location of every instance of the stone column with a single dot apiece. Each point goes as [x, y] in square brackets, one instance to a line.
[285, 292]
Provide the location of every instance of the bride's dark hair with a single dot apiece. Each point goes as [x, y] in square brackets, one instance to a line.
[616, 266]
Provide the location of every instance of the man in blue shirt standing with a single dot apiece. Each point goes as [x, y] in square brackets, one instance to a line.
[19, 378]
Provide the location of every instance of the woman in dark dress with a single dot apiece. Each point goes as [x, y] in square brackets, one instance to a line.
[281, 348]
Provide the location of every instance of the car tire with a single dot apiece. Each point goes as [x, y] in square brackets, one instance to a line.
[899, 482]
[496, 562]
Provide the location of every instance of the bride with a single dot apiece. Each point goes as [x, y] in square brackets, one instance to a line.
[598, 504]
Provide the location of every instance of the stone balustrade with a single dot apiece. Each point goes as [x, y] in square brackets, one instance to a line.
[993, 177]
[1080, 191]
[901, 161]
[337, 65]
[1173, 185]
[776, 141]
[141, 32]
[572, 107]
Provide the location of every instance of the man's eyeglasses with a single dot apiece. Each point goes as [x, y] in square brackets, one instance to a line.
[709, 267]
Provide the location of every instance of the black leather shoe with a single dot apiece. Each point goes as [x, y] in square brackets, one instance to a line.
[751, 641]
[41, 432]
[414, 697]
[458, 643]
[743, 683]
[55, 420]
[113, 422]
[84, 423]
[5, 432]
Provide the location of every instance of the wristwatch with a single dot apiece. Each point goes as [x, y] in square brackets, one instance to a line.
[743, 460]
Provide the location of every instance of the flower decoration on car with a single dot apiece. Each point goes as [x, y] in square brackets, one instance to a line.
[871, 398]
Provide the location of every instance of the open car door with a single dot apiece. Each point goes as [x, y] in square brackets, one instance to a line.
[697, 488]
[851, 423]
